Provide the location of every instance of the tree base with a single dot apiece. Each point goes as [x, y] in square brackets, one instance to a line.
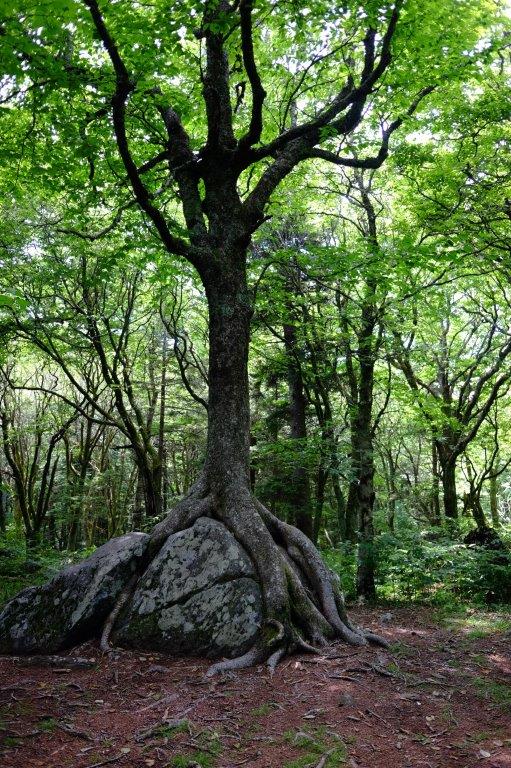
[218, 577]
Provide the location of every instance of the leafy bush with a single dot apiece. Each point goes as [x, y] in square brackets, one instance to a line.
[441, 571]
[20, 569]
[342, 560]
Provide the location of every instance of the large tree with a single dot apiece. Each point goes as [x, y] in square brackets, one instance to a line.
[162, 108]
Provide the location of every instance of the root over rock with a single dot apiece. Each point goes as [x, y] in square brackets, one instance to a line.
[220, 576]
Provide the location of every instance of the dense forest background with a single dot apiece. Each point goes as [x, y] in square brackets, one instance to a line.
[380, 358]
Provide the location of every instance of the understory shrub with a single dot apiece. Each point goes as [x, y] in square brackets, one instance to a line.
[411, 567]
[20, 568]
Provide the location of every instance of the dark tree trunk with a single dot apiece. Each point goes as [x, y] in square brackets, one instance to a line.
[224, 491]
[435, 487]
[340, 503]
[391, 519]
[472, 501]
[321, 481]
[390, 468]
[449, 485]
[51, 531]
[230, 310]
[494, 507]
[32, 538]
[75, 522]
[299, 494]
[3, 509]
[139, 504]
[365, 502]
[152, 486]
[473, 506]
[351, 516]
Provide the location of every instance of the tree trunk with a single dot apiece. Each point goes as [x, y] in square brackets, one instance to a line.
[340, 502]
[365, 497]
[474, 506]
[51, 531]
[152, 487]
[139, 504]
[3, 508]
[279, 551]
[299, 494]
[321, 481]
[228, 445]
[363, 424]
[449, 486]
[351, 516]
[494, 506]
[435, 487]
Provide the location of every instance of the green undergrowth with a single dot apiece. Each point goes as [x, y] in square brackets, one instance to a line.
[412, 566]
[474, 623]
[429, 567]
[170, 730]
[263, 710]
[48, 724]
[314, 744]
[21, 568]
[499, 694]
[205, 750]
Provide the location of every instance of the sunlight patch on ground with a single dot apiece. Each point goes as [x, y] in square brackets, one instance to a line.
[478, 624]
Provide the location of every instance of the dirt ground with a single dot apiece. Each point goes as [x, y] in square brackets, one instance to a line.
[440, 697]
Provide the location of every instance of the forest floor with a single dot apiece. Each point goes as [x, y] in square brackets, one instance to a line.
[440, 697]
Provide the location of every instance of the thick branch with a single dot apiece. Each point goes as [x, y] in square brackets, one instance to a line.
[255, 129]
[346, 97]
[216, 81]
[183, 165]
[383, 152]
[124, 87]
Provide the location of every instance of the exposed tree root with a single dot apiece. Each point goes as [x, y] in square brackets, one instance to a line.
[249, 659]
[108, 626]
[303, 606]
[198, 502]
[274, 659]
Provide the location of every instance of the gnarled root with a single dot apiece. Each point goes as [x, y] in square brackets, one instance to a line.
[303, 607]
[108, 626]
[249, 659]
[301, 596]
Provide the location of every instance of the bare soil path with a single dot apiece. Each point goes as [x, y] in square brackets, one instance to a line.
[440, 698]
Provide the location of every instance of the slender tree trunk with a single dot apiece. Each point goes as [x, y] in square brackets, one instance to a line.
[340, 503]
[152, 486]
[365, 462]
[321, 482]
[449, 487]
[299, 493]
[52, 531]
[162, 489]
[3, 508]
[494, 506]
[476, 508]
[366, 496]
[435, 486]
[473, 500]
[139, 504]
[32, 538]
[351, 516]
[391, 519]
[75, 523]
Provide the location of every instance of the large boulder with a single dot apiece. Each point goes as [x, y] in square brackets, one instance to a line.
[74, 604]
[198, 596]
